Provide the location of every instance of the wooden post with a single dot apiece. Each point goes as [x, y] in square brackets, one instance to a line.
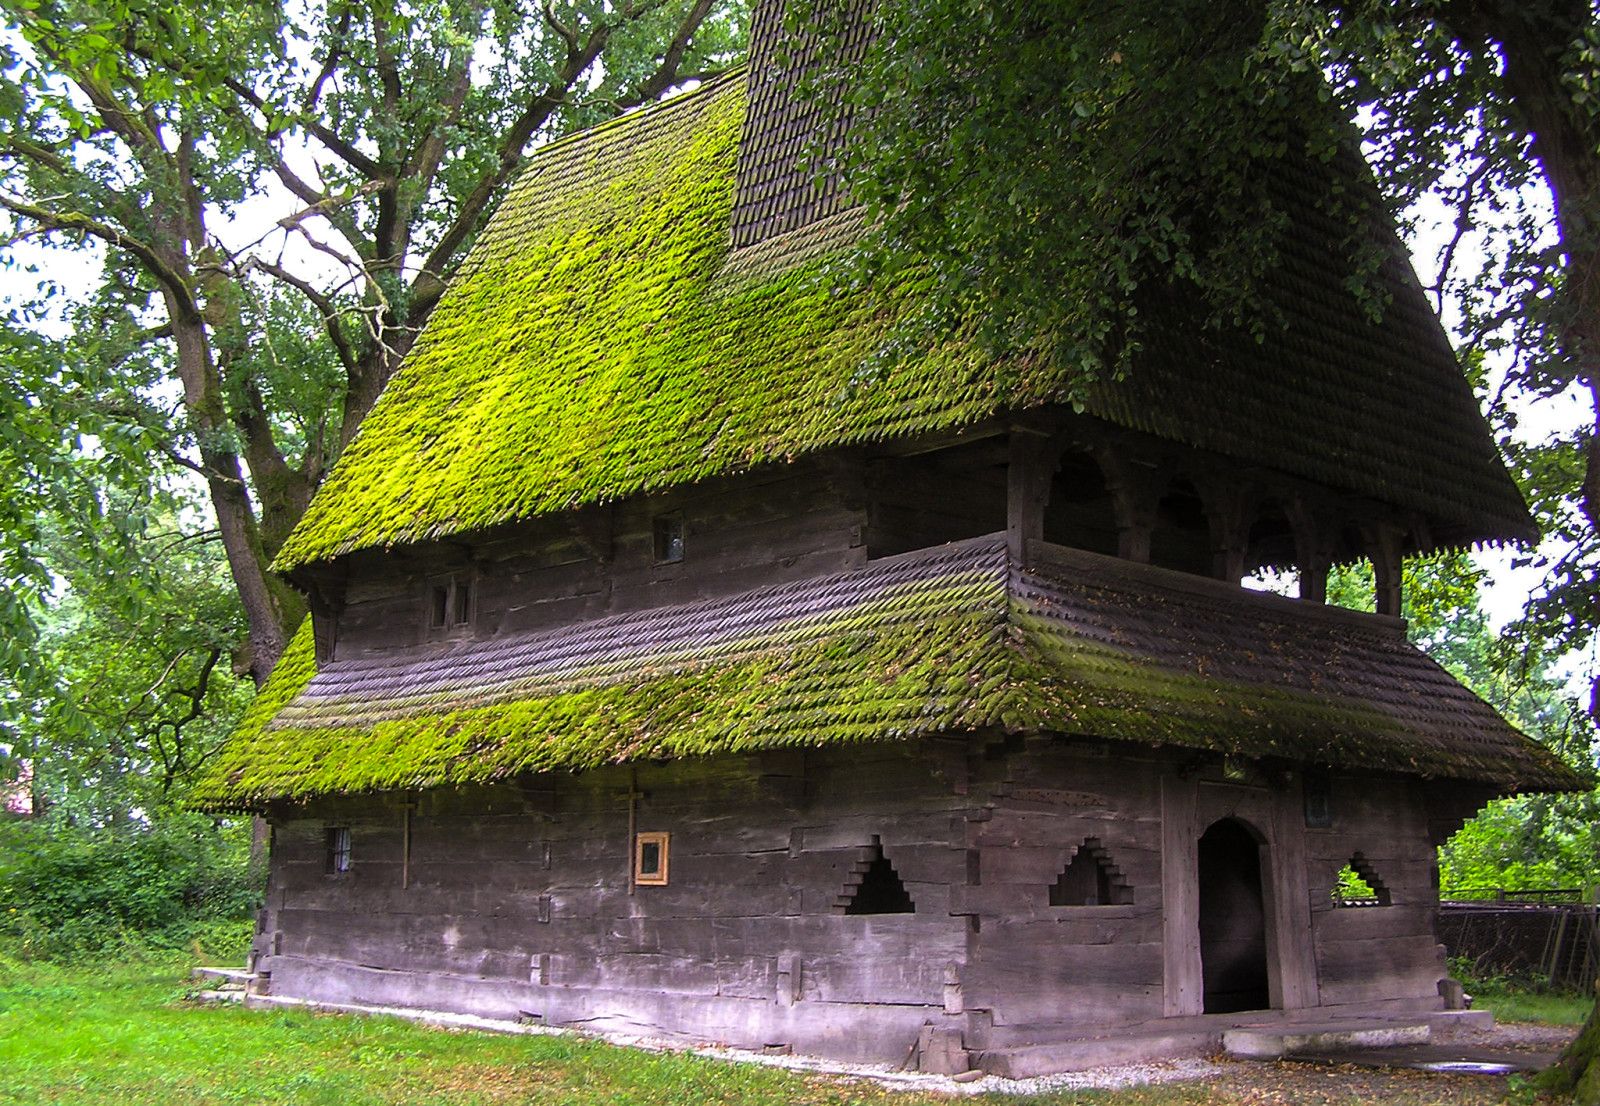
[633, 795]
[1136, 491]
[405, 842]
[1228, 510]
[1183, 987]
[1388, 566]
[1287, 896]
[1028, 472]
[1313, 544]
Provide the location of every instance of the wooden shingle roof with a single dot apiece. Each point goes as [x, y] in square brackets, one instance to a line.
[604, 339]
[779, 188]
[946, 639]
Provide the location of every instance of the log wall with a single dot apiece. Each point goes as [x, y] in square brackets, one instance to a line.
[1053, 972]
[513, 901]
[1377, 953]
[801, 521]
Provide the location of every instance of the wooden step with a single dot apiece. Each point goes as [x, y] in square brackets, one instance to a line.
[1300, 1038]
[1084, 1053]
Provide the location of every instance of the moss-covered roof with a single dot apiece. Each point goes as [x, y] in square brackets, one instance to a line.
[947, 639]
[601, 342]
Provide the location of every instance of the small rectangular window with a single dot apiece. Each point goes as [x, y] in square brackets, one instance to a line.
[669, 539]
[650, 859]
[1318, 800]
[449, 604]
[338, 850]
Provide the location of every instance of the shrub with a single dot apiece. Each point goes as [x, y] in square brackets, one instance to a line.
[67, 891]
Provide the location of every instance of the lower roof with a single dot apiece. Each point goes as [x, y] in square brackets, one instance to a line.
[951, 638]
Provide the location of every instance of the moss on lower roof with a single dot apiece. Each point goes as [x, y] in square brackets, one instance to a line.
[594, 347]
[948, 639]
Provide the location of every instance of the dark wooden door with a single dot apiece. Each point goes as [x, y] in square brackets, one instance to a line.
[1233, 931]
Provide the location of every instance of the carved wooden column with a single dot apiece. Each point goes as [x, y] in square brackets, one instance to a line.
[1388, 563]
[1029, 467]
[1135, 493]
[1230, 509]
[1313, 543]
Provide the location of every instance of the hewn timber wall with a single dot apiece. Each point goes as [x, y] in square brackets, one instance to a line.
[790, 523]
[513, 901]
[936, 497]
[1387, 952]
[518, 903]
[1041, 972]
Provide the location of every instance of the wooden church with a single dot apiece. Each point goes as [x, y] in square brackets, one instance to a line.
[668, 674]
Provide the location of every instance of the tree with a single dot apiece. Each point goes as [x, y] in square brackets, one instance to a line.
[1054, 168]
[141, 690]
[57, 499]
[382, 132]
[1528, 841]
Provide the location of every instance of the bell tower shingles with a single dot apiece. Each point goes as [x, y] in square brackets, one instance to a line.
[780, 186]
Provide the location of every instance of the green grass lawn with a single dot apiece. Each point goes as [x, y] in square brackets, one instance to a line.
[1520, 1004]
[128, 1033]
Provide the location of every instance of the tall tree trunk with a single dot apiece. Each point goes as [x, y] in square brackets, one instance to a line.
[1534, 41]
[1576, 1074]
[270, 607]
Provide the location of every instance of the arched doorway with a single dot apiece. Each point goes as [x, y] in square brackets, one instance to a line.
[1233, 927]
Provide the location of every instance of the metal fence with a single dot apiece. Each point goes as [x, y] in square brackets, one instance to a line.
[1550, 934]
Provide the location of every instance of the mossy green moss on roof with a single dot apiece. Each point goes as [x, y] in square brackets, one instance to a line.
[951, 639]
[596, 345]
[909, 661]
[582, 355]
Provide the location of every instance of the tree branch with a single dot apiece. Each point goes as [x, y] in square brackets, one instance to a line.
[534, 116]
[567, 34]
[172, 280]
[200, 470]
[335, 145]
[666, 73]
[323, 303]
[335, 53]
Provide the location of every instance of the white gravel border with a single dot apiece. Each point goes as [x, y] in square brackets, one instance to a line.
[1109, 1078]
[1112, 1078]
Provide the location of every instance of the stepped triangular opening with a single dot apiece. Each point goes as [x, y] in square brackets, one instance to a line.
[874, 887]
[1358, 885]
[1090, 879]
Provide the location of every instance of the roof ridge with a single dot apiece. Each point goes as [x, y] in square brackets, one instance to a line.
[644, 111]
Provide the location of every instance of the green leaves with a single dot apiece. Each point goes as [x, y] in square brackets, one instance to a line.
[1072, 162]
[281, 193]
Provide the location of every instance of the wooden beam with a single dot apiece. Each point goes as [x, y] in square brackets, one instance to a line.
[1183, 987]
[1028, 472]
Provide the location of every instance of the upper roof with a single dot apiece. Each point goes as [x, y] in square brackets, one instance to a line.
[603, 339]
[953, 638]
